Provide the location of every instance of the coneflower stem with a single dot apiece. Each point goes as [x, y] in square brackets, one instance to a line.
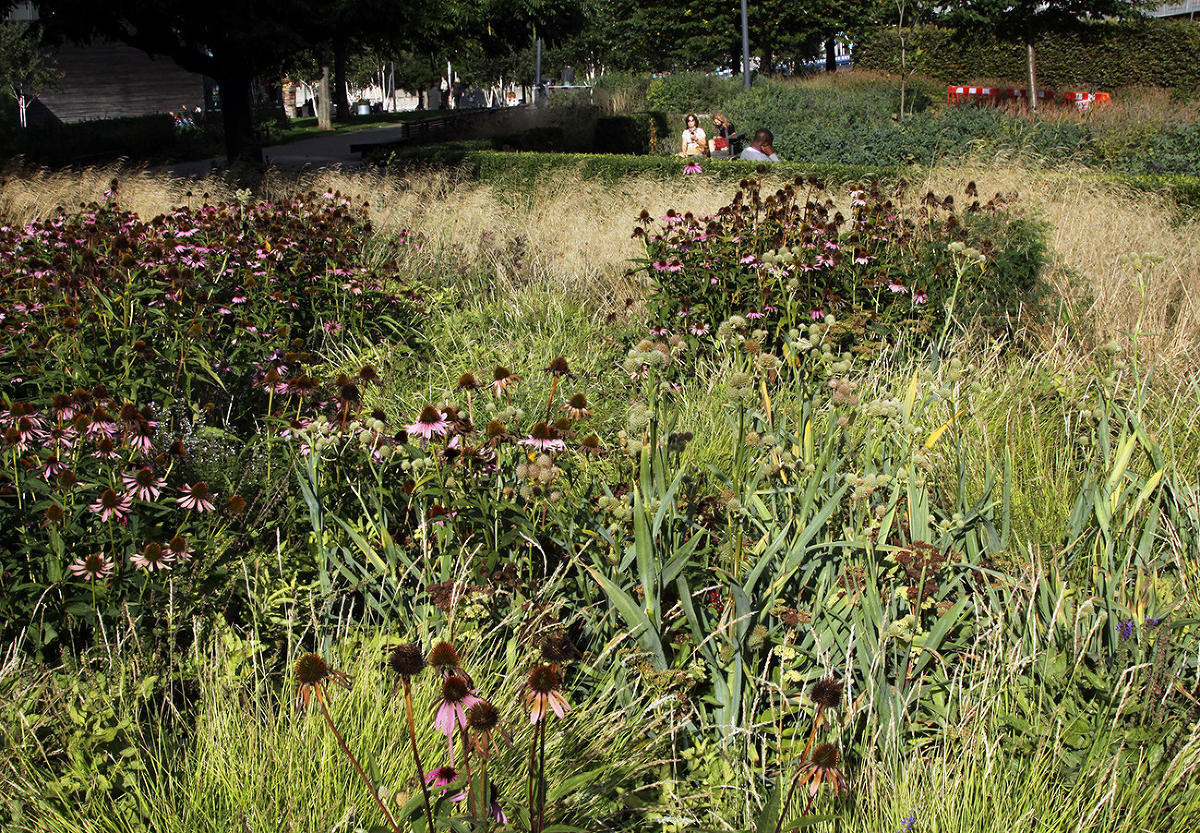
[550, 401]
[796, 777]
[466, 744]
[342, 743]
[412, 736]
[542, 779]
[529, 784]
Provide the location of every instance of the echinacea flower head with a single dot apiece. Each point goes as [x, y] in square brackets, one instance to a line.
[142, 484]
[197, 496]
[543, 694]
[452, 708]
[444, 658]
[430, 422]
[314, 674]
[590, 445]
[822, 768]
[542, 438]
[178, 549]
[483, 717]
[827, 693]
[92, 566]
[112, 505]
[577, 407]
[558, 367]
[557, 647]
[443, 776]
[692, 167]
[467, 381]
[503, 380]
[407, 660]
[152, 557]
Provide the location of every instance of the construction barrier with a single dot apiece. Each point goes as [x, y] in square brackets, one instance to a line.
[962, 94]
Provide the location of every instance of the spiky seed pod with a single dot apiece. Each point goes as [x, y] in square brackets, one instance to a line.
[558, 367]
[311, 669]
[558, 647]
[827, 693]
[454, 689]
[407, 660]
[483, 716]
[467, 381]
[543, 679]
[825, 755]
[443, 656]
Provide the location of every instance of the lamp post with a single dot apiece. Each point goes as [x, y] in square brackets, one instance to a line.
[745, 48]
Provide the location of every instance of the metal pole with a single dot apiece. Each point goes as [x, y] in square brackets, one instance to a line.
[537, 80]
[745, 47]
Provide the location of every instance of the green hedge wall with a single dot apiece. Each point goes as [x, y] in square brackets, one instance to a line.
[526, 168]
[631, 133]
[1098, 56]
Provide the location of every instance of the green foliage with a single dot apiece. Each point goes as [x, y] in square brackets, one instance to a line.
[138, 138]
[691, 92]
[526, 168]
[1091, 56]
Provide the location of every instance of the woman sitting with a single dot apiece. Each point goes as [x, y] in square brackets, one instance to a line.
[720, 146]
[694, 143]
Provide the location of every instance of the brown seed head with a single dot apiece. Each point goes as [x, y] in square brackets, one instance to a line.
[827, 693]
[311, 669]
[826, 756]
[454, 689]
[443, 656]
[483, 717]
[543, 679]
[407, 660]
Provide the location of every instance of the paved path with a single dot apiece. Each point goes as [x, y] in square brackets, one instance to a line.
[318, 152]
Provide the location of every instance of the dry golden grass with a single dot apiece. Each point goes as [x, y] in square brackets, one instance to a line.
[572, 239]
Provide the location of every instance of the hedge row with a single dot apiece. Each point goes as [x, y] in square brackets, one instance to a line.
[1095, 56]
[526, 168]
[632, 133]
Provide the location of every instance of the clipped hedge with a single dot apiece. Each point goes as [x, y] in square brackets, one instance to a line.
[527, 168]
[133, 137]
[1102, 55]
[634, 133]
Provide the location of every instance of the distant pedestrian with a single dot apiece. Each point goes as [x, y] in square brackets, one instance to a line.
[761, 149]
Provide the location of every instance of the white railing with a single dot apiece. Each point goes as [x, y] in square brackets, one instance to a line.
[1189, 7]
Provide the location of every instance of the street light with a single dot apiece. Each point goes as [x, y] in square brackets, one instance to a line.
[745, 48]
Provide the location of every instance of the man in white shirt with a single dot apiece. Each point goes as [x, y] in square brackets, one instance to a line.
[760, 150]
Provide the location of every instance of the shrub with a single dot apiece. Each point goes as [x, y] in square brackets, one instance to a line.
[686, 92]
[134, 137]
[526, 168]
[1101, 55]
[620, 92]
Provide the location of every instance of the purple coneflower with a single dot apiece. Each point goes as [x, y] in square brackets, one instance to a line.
[92, 566]
[692, 167]
[542, 438]
[177, 548]
[543, 693]
[430, 422]
[197, 497]
[142, 484]
[452, 708]
[577, 407]
[112, 505]
[503, 380]
[152, 557]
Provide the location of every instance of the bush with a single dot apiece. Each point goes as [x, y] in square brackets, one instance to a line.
[687, 92]
[1102, 55]
[522, 169]
[636, 133]
[136, 137]
[620, 92]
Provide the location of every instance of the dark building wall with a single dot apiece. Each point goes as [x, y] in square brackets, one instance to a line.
[107, 80]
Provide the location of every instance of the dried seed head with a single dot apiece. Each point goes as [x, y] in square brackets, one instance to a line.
[558, 647]
[826, 756]
[558, 367]
[443, 656]
[467, 381]
[483, 717]
[407, 660]
[311, 669]
[827, 693]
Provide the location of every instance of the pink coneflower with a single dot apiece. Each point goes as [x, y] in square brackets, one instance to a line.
[692, 167]
[430, 422]
[197, 497]
[503, 380]
[101, 424]
[140, 435]
[495, 811]
[817, 314]
[452, 708]
[543, 693]
[92, 566]
[443, 776]
[178, 549]
[152, 557]
[59, 436]
[577, 407]
[698, 329]
[53, 468]
[754, 313]
[142, 484]
[112, 505]
[919, 297]
[898, 287]
[542, 438]
[106, 449]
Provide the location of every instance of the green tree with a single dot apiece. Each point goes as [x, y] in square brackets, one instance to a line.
[1029, 19]
[26, 67]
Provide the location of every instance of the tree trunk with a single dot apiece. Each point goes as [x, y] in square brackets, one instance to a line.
[241, 145]
[324, 106]
[22, 105]
[830, 55]
[340, 93]
[1033, 99]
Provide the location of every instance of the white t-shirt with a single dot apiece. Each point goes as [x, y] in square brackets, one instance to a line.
[753, 154]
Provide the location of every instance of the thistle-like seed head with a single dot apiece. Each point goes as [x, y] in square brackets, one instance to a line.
[407, 660]
[443, 654]
[483, 716]
[827, 693]
[311, 669]
[543, 679]
[825, 755]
